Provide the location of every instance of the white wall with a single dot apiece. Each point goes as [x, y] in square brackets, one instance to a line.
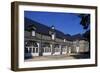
[5, 32]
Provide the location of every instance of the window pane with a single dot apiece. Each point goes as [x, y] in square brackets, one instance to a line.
[36, 50]
[26, 50]
[33, 50]
[33, 33]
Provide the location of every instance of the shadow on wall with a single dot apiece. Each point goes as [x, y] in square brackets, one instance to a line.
[82, 55]
[27, 55]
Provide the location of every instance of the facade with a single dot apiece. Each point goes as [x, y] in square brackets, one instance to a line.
[41, 40]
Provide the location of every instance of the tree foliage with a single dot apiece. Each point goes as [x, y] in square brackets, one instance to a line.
[85, 22]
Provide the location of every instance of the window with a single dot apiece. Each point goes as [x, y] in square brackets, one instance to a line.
[33, 50]
[64, 40]
[53, 36]
[33, 33]
[26, 50]
[36, 50]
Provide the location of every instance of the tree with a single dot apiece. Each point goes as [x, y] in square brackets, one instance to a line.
[85, 22]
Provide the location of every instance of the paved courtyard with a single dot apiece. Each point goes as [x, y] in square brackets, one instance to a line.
[54, 57]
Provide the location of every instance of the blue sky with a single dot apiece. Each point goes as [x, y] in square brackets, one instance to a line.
[68, 23]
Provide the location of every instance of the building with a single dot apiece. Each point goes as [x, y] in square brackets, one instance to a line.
[41, 40]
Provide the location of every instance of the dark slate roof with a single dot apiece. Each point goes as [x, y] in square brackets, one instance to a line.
[40, 28]
[78, 37]
[43, 29]
[68, 37]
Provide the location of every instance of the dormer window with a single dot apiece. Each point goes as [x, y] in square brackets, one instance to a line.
[53, 36]
[64, 40]
[52, 32]
[25, 42]
[33, 32]
[33, 29]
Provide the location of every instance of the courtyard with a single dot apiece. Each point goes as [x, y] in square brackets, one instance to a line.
[59, 57]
